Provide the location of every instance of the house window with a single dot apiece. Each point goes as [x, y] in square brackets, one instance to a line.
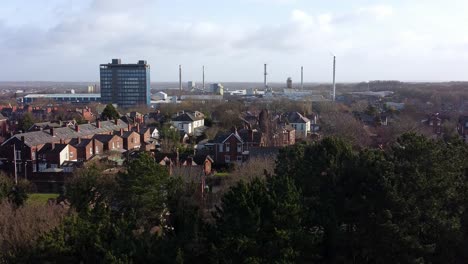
[90, 151]
[71, 155]
[239, 147]
[118, 144]
[228, 147]
[239, 158]
[42, 166]
[97, 150]
[133, 140]
[18, 154]
[34, 168]
[33, 155]
[227, 159]
[220, 147]
[53, 166]
[113, 145]
[302, 127]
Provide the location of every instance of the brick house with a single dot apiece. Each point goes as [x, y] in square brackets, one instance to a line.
[110, 142]
[284, 136]
[229, 148]
[27, 145]
[435, 122]
[54, 155]
[87, 148]
[131, 140]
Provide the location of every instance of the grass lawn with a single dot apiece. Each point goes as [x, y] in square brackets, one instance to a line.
[41, 198]
[222, 174]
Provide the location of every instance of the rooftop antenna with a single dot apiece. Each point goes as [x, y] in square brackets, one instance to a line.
[302, 78]
[180, 82]
[203, 77]
[265, 77]
[334, 75]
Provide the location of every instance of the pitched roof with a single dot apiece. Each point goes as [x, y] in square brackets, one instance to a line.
[104, 138]
[83, 142]
[222, 137]
[127, 134]
[65, 133]
[296, 117]
[186, 117]
[58, 148]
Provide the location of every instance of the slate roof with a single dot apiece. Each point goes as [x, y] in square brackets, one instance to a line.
[41, 137]
[296, 117]
[45, 149]
[143, 130]
[222, 137]
[84, 142]
[58, 148]
[127, 134]
[104, 138]
[186, 117]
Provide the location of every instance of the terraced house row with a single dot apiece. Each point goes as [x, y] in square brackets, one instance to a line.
[61, 149]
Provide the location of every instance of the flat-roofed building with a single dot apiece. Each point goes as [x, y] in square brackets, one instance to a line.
[127, 85]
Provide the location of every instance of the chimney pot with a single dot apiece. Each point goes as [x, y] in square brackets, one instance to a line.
[98, 124]
[52, 132]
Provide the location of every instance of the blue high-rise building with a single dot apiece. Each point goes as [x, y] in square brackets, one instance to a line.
[127, 85]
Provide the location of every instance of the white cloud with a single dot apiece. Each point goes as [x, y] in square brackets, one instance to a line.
[377, 11]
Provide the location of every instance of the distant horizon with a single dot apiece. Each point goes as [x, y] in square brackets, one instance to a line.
[184, 83]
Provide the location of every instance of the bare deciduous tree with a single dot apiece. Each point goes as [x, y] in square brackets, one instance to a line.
[21, 227]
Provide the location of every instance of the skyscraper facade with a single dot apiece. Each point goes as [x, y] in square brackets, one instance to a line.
[127, 85]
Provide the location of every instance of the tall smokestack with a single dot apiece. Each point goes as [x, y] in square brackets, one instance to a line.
[302, 77]
[203, 77]
[180, 82]
[265, 77]
[334, 75]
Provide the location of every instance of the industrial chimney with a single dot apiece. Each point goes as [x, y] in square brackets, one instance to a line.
[334, 75]
[302, 78]
[265, 77]
[180, 82]
[203, 77]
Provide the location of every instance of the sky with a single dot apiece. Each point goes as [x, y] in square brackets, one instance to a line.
[66, 40]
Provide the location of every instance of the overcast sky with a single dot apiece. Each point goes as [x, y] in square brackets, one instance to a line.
[66, 40]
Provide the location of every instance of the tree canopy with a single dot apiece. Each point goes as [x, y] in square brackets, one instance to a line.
[110, 113]
[326, 202]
